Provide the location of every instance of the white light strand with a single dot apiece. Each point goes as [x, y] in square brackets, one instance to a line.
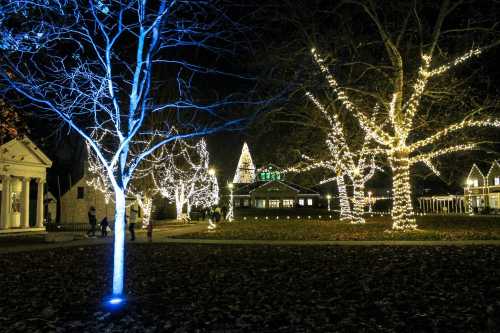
[457, 61]
[440, 152]
[453, 128]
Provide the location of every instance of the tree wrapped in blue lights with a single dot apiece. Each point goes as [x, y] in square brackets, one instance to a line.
[96, 67]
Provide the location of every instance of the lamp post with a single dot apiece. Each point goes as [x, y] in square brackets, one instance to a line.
[328, 197]
[469, 199]
[230, 213]
[370, 202]
[211, 224]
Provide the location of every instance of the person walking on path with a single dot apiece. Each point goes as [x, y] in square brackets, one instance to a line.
[92, 221]
[104, 227]
[217, 214]
[224, 212]
[133, 220]
[150, 231]
[211, 219]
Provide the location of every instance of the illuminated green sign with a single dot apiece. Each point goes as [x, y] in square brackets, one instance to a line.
[269, 174]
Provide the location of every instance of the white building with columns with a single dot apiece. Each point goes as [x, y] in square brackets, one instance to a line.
[23, 167]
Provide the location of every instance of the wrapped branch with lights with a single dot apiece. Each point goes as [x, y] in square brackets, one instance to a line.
[395, 133]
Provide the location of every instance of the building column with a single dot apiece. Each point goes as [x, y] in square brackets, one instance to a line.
[5, 217]
[25, 203]
[39, 203]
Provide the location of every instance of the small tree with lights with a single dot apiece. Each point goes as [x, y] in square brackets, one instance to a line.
[183, 176]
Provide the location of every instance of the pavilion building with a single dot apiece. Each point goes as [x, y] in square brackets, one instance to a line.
[266, 187]
[481, 193]
[22, 166]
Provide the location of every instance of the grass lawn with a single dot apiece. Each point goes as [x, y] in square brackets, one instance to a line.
[430, 228]
[221, 288]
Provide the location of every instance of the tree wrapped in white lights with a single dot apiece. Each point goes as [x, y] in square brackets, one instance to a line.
[92, 65]
[183, 176]
[359, 167]
[393, 133]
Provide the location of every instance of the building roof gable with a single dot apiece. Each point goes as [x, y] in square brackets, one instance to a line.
[275, 184]
[494, 170]
[476, 172]
[23, 151]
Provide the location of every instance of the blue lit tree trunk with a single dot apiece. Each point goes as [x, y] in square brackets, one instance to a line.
[119, 244]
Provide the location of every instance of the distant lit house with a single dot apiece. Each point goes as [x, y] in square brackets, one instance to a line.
[76, 203]
[266, 187]
[483, 191]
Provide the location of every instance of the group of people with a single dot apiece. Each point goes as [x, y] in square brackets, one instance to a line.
[104, 224]
[215, 213]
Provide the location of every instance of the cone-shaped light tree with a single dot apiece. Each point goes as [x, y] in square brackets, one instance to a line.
[402, 104]
[245, 171]
[91, 65]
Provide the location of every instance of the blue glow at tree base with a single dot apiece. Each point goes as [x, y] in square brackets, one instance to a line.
[114, 303]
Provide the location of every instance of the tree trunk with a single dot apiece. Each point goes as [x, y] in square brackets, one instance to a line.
[179, 201]
[358, 201]
[402, 208]
[146, 204]
[178, 208]
[119, 242]
[345, 208]
[188, 208]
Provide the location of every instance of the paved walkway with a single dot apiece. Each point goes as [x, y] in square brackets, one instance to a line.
[165, 234]
[37, 242]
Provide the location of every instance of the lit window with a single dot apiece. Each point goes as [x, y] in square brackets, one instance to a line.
[309, 202]
[260, 203]
[301, 202]
[245, 202]
[287, 203]
[497, 181]
[236, 203]
[475, 183]
[274, 204]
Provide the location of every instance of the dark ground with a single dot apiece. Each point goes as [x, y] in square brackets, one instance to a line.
[446, 228]
[189, 288]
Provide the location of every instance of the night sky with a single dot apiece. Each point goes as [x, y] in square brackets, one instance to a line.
[273, 52]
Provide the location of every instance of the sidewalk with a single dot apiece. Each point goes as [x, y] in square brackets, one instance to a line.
[37, 242]
[164, 236]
